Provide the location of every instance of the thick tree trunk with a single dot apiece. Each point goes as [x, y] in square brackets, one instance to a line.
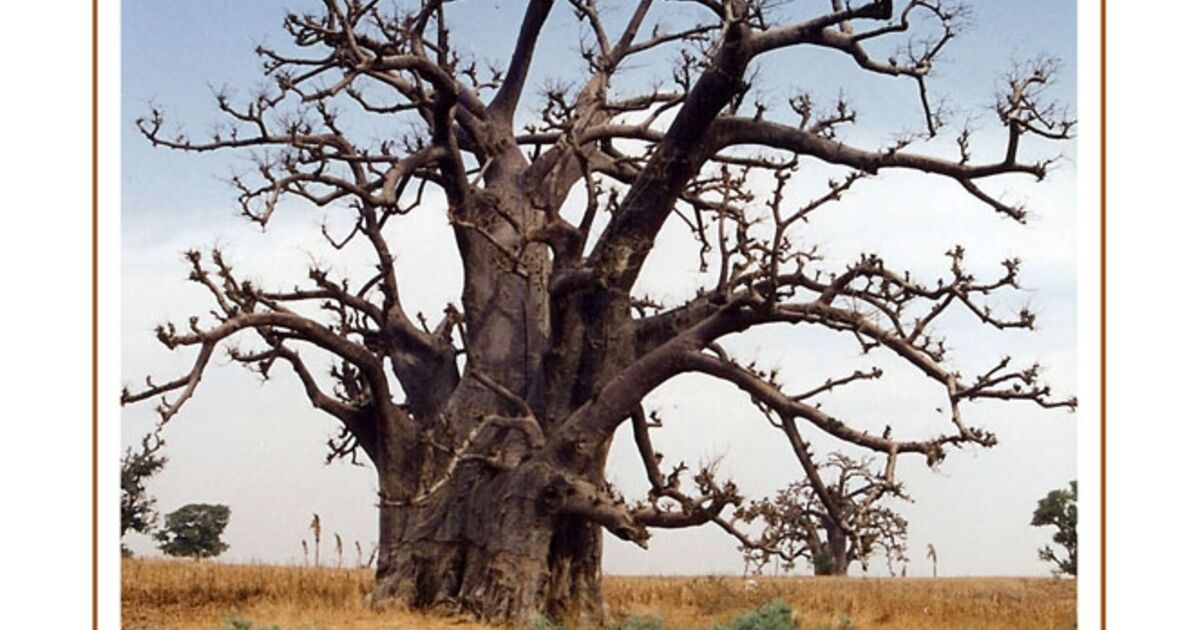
[834, 552]
[489, 544]
[502, 539]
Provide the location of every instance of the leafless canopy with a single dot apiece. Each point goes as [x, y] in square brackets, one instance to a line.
[831, 521]
[549, 340]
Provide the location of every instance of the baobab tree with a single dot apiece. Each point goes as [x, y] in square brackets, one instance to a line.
[489, 427]
[833, 517]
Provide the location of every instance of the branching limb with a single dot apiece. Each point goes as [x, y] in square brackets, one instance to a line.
[687, 510]
[503, 105]
[568, 494]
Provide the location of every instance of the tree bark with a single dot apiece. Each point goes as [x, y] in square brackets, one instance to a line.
[492, 544]
[493, 539]
[835, 554]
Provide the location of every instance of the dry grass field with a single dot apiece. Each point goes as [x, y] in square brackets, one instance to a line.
[192, 596]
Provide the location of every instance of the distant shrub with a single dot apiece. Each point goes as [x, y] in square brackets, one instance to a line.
[775, 615]
[237, 622]
[844, 624]
[541, 623]
[628, 623]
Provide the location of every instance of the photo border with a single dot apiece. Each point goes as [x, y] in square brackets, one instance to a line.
[109, 236]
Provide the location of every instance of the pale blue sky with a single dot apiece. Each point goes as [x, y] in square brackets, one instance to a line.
[260, 448]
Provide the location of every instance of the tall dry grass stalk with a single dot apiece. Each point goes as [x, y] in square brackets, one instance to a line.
[315, 527]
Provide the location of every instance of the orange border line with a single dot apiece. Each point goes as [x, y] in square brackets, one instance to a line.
[1102, 314]
[95, 280]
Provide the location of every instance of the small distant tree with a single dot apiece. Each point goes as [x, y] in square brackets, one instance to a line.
[1059, 509]
[194, 530]
[137, 506]
[832, 519]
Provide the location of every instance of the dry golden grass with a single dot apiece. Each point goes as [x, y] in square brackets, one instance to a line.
[185, 595]
[958, 603]
[192, 596]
